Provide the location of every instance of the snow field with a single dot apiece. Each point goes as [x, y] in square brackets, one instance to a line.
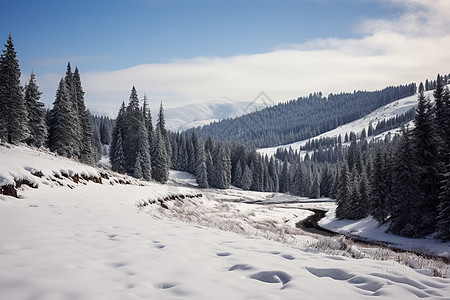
[94, 241]
[94, 244]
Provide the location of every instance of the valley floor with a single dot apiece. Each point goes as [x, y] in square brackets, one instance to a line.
[85, 240]
[92, 242]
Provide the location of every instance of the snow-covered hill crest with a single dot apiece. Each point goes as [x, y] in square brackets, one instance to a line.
[383, 113]
[198, 114]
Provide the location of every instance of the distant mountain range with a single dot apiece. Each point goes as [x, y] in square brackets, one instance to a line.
[199, 114]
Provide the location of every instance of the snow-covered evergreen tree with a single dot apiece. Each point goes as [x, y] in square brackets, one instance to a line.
[343, 194]
[85, 134]
[132, 120]
[246, 181]
[284, 178]
[443, 219]
[148, 123]
[60, 130]
[116, 152]
[315, 188]
[378, 205]
[426, 149]
[201, 173]
[405, 214]
[143, 154]
[13, 112]
[160, 164]
[36, 113]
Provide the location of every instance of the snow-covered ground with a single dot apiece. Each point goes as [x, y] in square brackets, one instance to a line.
[64, 240]
[368, 228]
[383, 113]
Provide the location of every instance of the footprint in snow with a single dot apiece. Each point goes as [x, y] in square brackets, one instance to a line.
[272, 277]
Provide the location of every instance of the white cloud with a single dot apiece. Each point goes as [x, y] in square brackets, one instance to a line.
[410, 48]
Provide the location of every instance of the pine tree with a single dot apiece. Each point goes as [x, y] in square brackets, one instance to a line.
[13, 112]
[117, 154]
[137, 168]
[148, 123]
[36, 113]
[364, 193]
[161, 126]
[284, 177]
[315, 188]
[143, 154]
[160, 164]
[443, 219]
[405, 214]
[201, 173]
[75, 128]
[60, 132]
[378, 205]
[116, 151]
[85, 134]
[343, 194]
[246, 178]
[237, 174]
[273, 173]
[426, 150]
[132, 120]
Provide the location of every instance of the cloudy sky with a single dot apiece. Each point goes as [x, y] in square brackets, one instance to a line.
[185, 51]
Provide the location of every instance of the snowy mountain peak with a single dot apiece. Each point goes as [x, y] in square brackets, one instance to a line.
[198, 114]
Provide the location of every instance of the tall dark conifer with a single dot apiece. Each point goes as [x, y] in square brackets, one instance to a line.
[60, 131]
[36, 113]
[406, 212]
[116, 151]
[426, 149]
[85, 135]
[13, 112]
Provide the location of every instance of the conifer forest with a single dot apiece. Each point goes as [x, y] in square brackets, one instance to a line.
[403, 178]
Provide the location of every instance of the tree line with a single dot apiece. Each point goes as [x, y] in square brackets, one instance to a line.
[65, 129]
[409, 179]
[302, 118]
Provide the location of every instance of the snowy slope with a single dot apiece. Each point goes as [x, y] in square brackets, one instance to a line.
[198, 114]
[383, 113]
[99, 241]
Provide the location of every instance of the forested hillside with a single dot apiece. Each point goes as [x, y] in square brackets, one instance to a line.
[303, 118]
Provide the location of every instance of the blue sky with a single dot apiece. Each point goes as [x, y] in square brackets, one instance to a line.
[109, 35]
[156, 44]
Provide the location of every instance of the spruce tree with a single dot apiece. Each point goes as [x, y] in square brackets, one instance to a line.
[426, 150]
[85, 134]
[406, 213]
[116, 151]
[201, 172]
[343, 194]
[246, 178]
[160, 164]
[13, 112]
[132, 120]
[315, 188]
[443, 219]
[148, 123]
[284, 177]
[117, 155]
[137, 168]
[60, 131]
[378, 206]
[143, 154]
[273, 173]
[161, 126]
[75, 129]
[36, 113]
